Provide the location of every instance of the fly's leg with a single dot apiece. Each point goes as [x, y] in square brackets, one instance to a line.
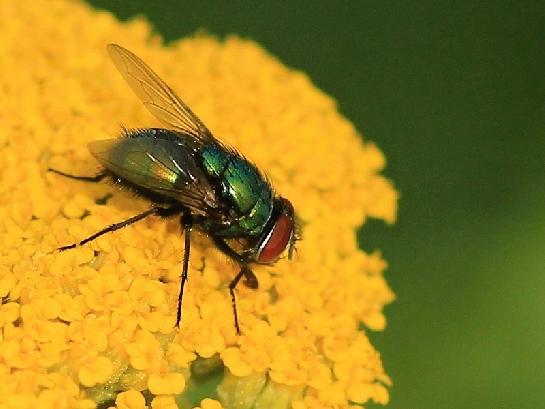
[158, 211]
[94, 179]
[232, 286]
[187, 224]
[250, 280]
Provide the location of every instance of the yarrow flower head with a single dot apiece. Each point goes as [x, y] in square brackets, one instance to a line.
[95, 325]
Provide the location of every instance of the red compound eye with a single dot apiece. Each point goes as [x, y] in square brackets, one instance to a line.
[277, 240]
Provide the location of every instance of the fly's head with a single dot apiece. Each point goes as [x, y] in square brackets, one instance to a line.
[280, 233]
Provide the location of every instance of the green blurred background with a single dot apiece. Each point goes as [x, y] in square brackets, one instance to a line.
[454, 94]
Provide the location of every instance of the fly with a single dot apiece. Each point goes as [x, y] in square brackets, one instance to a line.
[185, 171]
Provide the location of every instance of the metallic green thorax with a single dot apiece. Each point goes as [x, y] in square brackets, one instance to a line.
[241, 184]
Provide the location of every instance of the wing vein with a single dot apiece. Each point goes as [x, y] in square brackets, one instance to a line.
[157, 96]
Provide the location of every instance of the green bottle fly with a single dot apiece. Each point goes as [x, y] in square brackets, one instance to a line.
[185, 171]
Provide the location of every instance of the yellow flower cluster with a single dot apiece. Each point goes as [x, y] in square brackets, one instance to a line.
[96, 324]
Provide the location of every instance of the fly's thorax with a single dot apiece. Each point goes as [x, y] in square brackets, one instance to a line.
[248, 194]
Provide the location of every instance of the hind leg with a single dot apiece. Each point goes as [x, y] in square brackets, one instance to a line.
[157, 211]
[94, 179]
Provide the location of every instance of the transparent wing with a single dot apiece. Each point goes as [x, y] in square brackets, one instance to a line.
[152, 164]
[157, 96]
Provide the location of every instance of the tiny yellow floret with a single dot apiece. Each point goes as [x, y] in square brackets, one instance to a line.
[168, 384]
[164, 402]
[130, 400]
[98, 370]
[209, 404]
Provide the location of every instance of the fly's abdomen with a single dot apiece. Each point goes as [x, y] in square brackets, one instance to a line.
[159, 164]
[242, 185]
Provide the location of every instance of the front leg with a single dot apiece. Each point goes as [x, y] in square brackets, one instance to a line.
[250, 280]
